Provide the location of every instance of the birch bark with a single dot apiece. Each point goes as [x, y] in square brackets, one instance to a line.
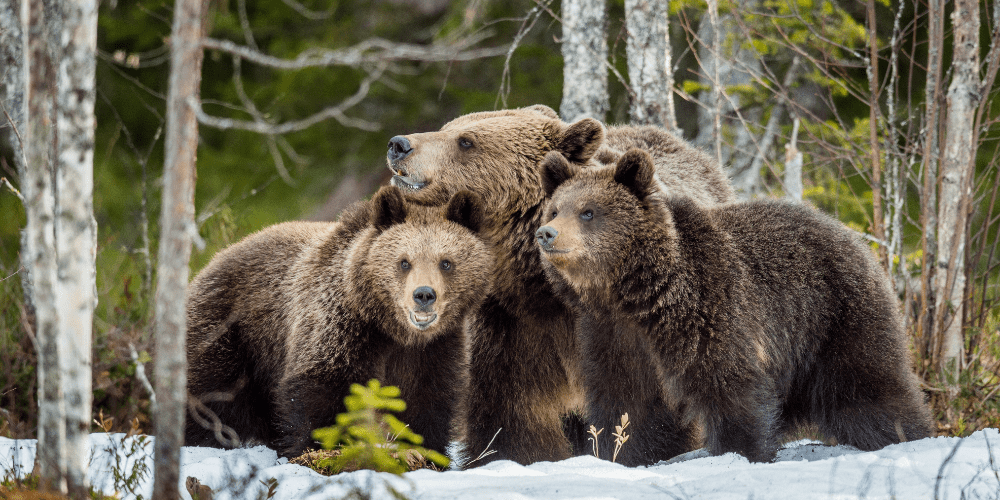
[39, 193]
[956, 184]
[650, 73]
[76, 241]
[585, 52]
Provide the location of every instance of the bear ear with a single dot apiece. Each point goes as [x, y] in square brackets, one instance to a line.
[580, 141]
[466, 209]
[388, 208]
[555, 171]
[635, 171]
[545, 110]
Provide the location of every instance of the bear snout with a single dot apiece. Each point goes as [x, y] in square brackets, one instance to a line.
[399, 148]
[424, 296]
[546, 236]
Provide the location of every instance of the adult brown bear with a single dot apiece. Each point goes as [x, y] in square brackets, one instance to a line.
[525, 372]
[283, 322]
[760, 315]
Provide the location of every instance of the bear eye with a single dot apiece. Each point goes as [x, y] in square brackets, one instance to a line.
[404, 265]
[587, 215]
[445, 265]
[464, 142]
[554, 214]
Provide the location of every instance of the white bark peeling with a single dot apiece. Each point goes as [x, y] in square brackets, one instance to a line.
[39, 193]
[75, 227]
[585, 52]
[650, 72]
[956, 186]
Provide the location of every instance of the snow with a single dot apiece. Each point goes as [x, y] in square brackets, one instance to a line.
[803, 469]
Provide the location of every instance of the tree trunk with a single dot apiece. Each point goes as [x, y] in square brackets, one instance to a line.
[723, 65]
[12, 88]
[650, 73]
[177, 228]
[76, 241]
[928, 193]
[585, 53]
[956, 186]
[39, 193]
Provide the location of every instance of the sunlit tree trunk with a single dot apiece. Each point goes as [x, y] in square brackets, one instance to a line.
[585, 53]
[956, 184]
[177, 229]
[75, 227]
[39, 192]
[650, 73]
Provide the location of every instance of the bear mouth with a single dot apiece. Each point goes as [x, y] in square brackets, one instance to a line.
[423, 320]
[401, 179]
[403, 182]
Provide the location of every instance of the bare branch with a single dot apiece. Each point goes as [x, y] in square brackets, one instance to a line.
[372, 50]
[335, 112]
[309, 14]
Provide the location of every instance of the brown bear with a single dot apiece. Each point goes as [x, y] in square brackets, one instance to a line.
[761, 315]
[283, 322]
[525, 375]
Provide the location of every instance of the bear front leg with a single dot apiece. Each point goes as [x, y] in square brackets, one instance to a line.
[518, 387]
[620, 377]
[745, 423]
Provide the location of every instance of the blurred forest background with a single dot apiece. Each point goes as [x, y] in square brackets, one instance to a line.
[839, 103]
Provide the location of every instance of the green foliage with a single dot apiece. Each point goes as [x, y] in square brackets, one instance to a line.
[368, 436]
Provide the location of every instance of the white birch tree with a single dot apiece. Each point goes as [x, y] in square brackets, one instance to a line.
[177, 231]
[39, 193]
[585, 56]
[650, 74]
[76, 243]
[955, 193]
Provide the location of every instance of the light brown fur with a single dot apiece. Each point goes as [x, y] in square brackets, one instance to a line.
[525, 368]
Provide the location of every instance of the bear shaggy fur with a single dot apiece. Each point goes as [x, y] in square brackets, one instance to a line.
[525, 375]
[761, 315]
[282, 323]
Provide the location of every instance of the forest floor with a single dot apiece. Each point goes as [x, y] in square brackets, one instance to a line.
[938, 468]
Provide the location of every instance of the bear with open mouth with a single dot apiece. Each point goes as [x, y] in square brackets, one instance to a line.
[283, 322]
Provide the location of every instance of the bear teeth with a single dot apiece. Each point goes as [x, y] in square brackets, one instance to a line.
[422, 319]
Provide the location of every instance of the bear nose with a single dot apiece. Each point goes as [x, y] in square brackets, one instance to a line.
[399, 148]
[546, 235]
[424, 296]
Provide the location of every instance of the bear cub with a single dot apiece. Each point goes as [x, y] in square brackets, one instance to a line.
[283, 322]
[760, 316]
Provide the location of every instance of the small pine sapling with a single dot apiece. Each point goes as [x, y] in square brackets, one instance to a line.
[368, 436]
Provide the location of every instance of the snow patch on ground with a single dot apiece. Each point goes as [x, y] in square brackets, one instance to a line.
[803, 469]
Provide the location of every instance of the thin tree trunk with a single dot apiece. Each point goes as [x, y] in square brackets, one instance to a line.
[39, 192]
[177, 228]
[75, 228]
[585, 53]
[928, 193]
[12, 88]
[956, 185]
[874, 157]
[650, 73]
[722, 65]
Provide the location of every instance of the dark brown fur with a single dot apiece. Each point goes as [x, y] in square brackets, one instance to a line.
[525, 374]
[761, 315]
[283, 322]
